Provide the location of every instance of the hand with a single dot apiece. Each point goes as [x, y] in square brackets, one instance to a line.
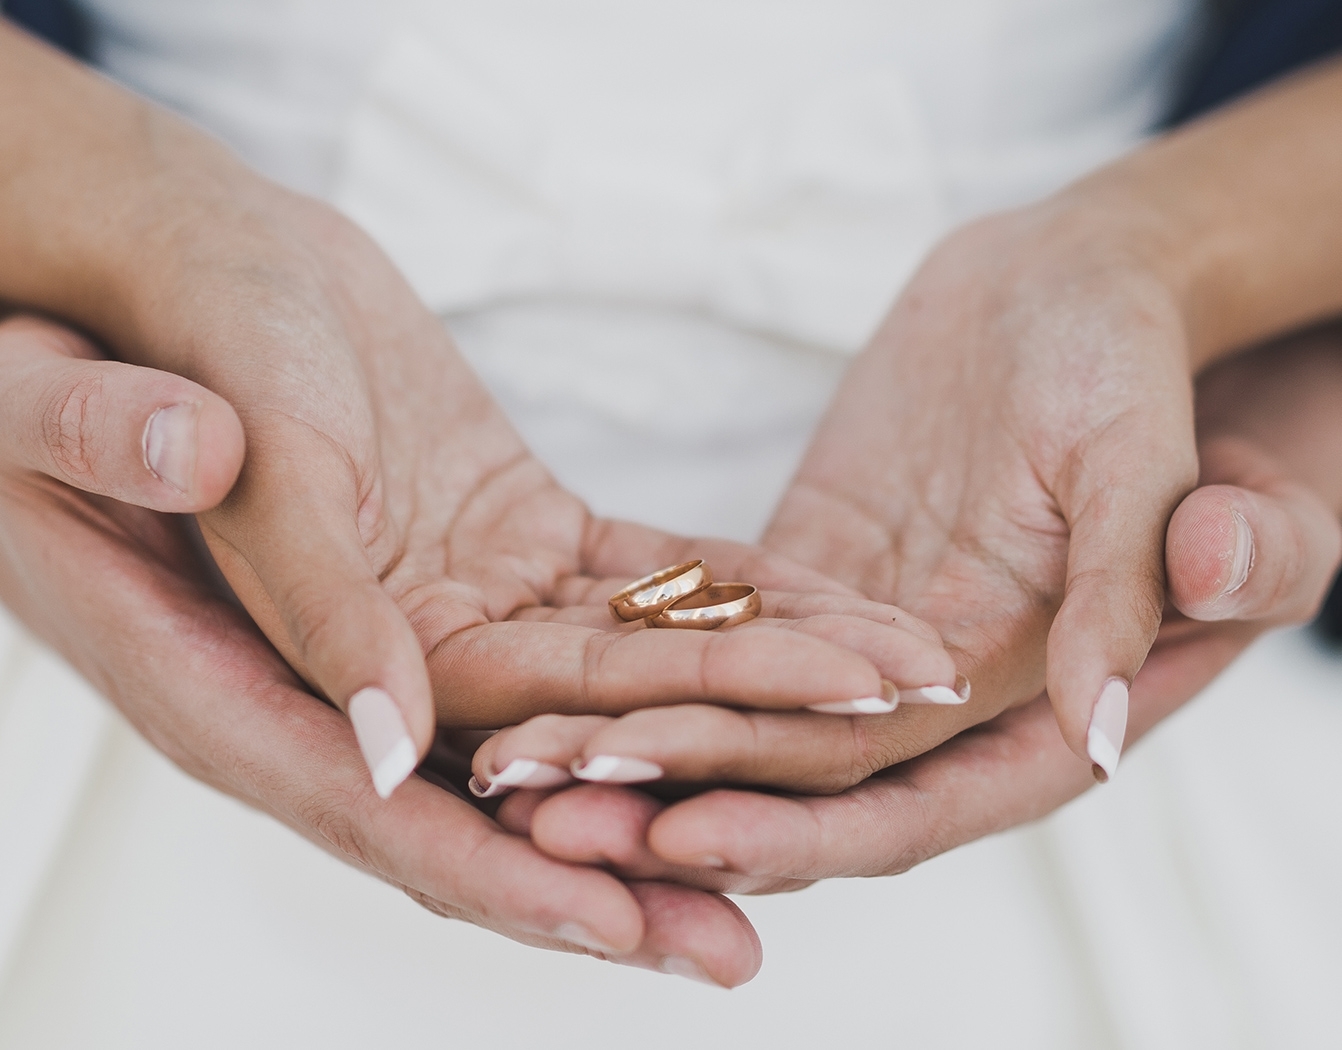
[152, 620]
[388, 531]
[1270, 438]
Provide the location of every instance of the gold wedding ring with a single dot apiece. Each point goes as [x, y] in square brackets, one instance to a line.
[719, 605]
[649, 596]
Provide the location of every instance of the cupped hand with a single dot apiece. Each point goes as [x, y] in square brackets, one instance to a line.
[1269, 440]
[1003, 461]
[197, 678]
[388, 531]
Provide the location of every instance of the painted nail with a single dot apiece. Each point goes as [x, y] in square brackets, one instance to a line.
[383, 739]
[576, 933]
[863, 705]
[938, 694]
[520, 772]
[612, 769]
[1241, 557]
[683, 966]
[1108, 724]
[170, 445]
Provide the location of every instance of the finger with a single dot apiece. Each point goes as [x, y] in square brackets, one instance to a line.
[138, 435]
[289, 542]
[692, 743]
[606, 827]
[1259, 547]
[1011, 770]
[677, 918]
[503, 673]
[922, 669]
[1000, 774]
[1118, 508]
[536, 755]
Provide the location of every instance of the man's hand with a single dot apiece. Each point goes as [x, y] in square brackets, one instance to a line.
[121, 592]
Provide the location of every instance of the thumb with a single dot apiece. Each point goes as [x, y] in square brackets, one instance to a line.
[1118, 510]
[138, 435]
[1252, 546]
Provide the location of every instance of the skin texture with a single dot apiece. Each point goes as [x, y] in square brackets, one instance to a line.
[1269, 440]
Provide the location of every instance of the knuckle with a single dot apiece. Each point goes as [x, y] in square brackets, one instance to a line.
[433, 904]
[69, 428]
[326, 814]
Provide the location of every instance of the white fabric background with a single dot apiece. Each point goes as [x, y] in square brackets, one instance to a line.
[1189, 904]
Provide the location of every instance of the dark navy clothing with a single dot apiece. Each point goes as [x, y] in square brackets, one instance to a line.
[56, 21]
[1255, 41]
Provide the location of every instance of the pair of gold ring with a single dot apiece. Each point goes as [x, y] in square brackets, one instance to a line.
[685, 596]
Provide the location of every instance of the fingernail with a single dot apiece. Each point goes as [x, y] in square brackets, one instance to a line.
[383, 739]
[863, 705]
[1108, 724]
[170, 445]
[938, 694]
[612, 769]
[520, 772]
[575, 933]
[1241, 557]
[682, 966]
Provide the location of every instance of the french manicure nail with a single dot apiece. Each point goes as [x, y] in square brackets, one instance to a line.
[863, 705]
[1241, 557]
[612, 769]
[170, 445]
[576, 933]
[1108, 725]
[383, 739]
[682, 966]
[520, 772]
[938, 694]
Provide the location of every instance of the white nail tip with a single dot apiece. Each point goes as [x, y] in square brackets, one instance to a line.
[613, 769]
[681, 966]
[391, 772]
[863, 705]
[521, 772]
[383, 739]
[1243, 555]
[1108, 726]
[932, 694]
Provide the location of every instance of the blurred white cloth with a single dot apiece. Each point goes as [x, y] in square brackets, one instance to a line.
[605, 198]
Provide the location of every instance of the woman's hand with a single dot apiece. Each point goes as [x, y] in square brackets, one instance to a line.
[1270, 437]
[388, 532]
[121, 592]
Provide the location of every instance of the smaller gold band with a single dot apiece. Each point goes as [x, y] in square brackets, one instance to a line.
[721, 605]
[650, 595]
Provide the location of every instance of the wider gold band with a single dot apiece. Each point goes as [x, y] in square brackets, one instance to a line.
[721, 605]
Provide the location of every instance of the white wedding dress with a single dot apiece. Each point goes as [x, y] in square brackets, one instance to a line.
[715, 200]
